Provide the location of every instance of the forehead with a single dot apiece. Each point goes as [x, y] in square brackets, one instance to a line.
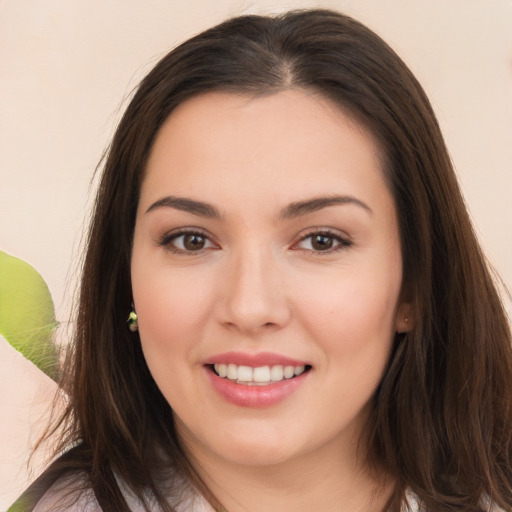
[287, 140]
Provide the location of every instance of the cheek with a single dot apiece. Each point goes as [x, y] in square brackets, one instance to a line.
[171, 308]
[354, 313]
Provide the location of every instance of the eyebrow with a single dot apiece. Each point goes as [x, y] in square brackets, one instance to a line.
[187, 205]
[293, 210]
[300, 208]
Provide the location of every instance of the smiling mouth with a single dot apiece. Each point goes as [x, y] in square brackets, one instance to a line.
[258, 376]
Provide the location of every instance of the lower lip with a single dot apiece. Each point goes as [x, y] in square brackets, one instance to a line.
[255, 396]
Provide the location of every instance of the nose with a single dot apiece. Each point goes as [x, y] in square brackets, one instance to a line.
[254, 296]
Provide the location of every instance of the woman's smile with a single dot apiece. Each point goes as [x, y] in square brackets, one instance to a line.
[255, 380]
[266, 273]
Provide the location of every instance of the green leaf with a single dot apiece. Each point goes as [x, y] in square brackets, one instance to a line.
[19, 506]
[27, 314]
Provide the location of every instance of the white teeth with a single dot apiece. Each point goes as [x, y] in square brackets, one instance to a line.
[245, 373]
[276, 373]
[232, 372]
[289, 372]
[221, 369]
[259, 375]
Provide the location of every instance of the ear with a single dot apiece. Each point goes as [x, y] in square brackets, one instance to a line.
[404, 321]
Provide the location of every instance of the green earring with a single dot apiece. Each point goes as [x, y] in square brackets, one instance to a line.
[133, 321]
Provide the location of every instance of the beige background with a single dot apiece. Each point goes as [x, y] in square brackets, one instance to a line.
[66, 66]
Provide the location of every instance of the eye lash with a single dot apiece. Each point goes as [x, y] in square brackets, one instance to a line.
[344, 242]
[166, 239]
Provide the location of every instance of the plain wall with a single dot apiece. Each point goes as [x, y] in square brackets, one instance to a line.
[66, 67]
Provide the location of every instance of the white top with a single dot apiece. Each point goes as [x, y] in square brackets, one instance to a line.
[55, 500]
[58, 502]
[61, 497]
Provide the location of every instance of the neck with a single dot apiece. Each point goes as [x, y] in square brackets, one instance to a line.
[325, 480]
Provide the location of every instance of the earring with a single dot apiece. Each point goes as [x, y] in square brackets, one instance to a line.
[406, 319]
[133, 321]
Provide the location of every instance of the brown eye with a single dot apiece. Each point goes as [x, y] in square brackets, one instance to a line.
[187, 242]
[193, 242]
[322, 242]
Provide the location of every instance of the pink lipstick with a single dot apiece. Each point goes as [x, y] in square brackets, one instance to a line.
[255, 380]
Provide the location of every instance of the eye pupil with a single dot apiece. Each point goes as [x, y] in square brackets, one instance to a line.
[322, 242]
[193, 242]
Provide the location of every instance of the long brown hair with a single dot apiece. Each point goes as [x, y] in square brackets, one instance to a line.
[441, 420]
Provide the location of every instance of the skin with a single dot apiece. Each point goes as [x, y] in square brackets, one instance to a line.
[258, 283]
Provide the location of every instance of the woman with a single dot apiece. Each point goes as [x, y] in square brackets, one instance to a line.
[312, 322]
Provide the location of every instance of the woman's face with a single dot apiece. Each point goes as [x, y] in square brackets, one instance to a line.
[266, 244]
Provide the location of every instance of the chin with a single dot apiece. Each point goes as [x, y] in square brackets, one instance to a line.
[259, 454]
[241, 445]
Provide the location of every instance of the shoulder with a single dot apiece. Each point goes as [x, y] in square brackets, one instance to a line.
[413, 504]
[74, 494]
[68, 493]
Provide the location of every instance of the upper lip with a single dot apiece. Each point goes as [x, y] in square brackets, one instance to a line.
[254, 360]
